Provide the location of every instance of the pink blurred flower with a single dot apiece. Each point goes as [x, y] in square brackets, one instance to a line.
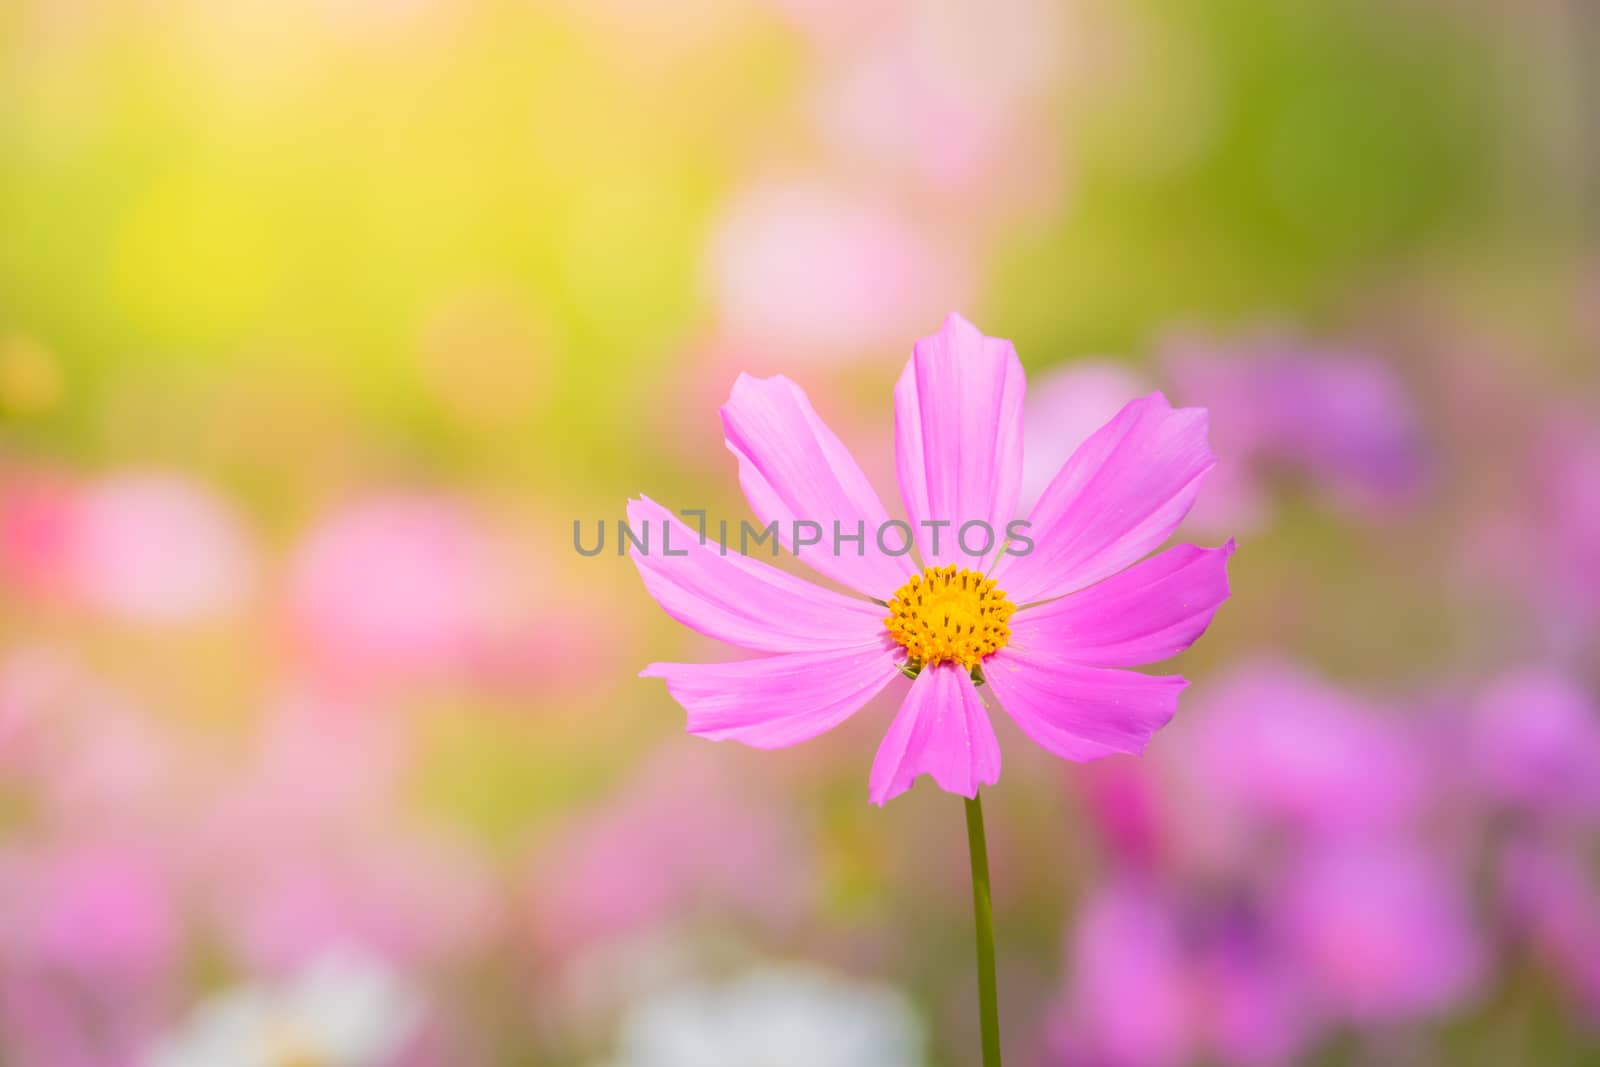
[812, 272]
[1090, 608]
[1544, 549]
[1128, 1000]
[1552, 899]
[90, 947]
[946, 98]
[1533, 752]
[98, 909]
[33, 680]
[37, 522]
[680, 837]
[1534, 745]
[1383, 932]
[152, 548]
[300, 852]
[407, 589]
[1271, 747]
[313, 753]
[109, 765]
[87, 755]
[1068, 404]
[1125, 805]
[415, 901]
[392, 588]
[1339, 419]
[838, 22]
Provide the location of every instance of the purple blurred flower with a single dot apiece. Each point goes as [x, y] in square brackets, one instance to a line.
[1272, 878]
[1159, 980]
[1341, 419]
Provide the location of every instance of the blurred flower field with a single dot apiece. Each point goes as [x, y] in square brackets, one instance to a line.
[322, 323]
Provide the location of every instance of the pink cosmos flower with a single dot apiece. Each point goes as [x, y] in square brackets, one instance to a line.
[1050, 630]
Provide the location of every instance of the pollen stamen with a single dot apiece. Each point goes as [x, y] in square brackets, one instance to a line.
[949, 615]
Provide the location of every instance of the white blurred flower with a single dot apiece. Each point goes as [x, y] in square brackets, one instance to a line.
[160, 549]
[343, 1011]
[813, 270]
[791, 1016]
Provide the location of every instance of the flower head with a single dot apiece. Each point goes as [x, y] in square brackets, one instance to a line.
[1047, 611]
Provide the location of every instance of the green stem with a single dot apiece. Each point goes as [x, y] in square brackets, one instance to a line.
[983, 917]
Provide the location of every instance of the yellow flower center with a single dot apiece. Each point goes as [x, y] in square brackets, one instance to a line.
[949, 615]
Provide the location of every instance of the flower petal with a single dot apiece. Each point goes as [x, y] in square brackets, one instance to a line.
[1152, 610]
[780, 700]
[958, 441]
[740, 600]
[1121, 494]
[792, 468]
[1081, 713]
[943, 730]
